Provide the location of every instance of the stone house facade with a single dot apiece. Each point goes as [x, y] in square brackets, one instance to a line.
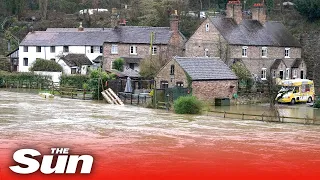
[134, 43]
[209, 78]
[255, 42]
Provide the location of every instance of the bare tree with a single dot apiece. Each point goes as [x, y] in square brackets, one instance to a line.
[43, 5]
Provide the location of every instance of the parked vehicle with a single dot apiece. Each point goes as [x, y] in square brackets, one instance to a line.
[296, 90]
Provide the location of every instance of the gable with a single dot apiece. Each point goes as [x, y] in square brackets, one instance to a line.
[202, 34]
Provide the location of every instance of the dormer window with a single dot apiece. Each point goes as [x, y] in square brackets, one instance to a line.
[207, 27]
[287, 52]
[244, 51]
[264, 52]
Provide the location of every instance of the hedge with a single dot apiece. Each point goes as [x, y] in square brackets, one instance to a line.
[75, 80]
[23, 76]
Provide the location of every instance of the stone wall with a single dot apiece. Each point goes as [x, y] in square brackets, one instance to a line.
[143, 51]
[202, 40]
[164, 75]
[209, 90]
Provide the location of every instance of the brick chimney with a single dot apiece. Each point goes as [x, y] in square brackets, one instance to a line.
[234, 10]
[259, 12]
[80, 28]
[174, 22]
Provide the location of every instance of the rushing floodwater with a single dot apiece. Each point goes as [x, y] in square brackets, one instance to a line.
[130, 132]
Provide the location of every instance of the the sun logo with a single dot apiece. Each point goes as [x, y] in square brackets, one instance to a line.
[65, 163]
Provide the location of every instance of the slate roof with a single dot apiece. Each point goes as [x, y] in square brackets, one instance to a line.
[135, 60]
[297, 63]
[76, 60]
[203, 68]
[96, 37]
[276, 64]
[253, 33]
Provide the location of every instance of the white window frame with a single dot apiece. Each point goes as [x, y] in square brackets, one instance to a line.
[287, 53]
[38, 49]
[207, 27]
[264, 49]
[274, 73]
[206, 52]
[264, 74]
[154, 50]
[52, 49]
[133, 50]
[244, 51]
[114, 49]
[24, 62]
[295, 73]
[96, 49]
[287, 73]
[25, 49]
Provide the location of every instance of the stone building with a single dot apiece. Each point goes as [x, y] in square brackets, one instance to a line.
[258, 43]
[134, 43]
[209, 78]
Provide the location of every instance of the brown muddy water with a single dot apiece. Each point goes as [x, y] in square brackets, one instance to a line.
[28, 120]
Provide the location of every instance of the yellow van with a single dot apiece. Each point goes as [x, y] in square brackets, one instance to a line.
[296, 90]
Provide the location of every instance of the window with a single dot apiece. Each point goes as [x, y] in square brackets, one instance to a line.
[164, 84]
[101, 49]
[65, 48]
[131, 66]
[179, 84]
[133, 50]
[274, 74]
[295, 73]
[73, 70]
[264, 74]
[281, 74]
[206, 53]
[244, 51]
[25, 62]
[288, 73]
[95, 49]
[25, 48]
[207, 27]
[172, 70]
[114, 49]
[287, 52]
[38, 49]
[301, 74]
[52, 49]
[264, 52]
[154, 50]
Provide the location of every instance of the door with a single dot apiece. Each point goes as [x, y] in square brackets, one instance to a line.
[281, 74]
[301, 75]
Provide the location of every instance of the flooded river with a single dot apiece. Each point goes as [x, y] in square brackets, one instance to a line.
[154, 141]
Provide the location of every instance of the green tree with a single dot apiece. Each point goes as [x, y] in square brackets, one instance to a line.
[46, 65]
[308, 8]
[118, 64]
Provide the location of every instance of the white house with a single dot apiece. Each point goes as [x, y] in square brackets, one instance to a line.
[56, 43]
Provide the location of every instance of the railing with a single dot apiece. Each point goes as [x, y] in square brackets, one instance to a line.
[266, 117]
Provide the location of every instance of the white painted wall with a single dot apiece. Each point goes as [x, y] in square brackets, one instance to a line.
[45, 53]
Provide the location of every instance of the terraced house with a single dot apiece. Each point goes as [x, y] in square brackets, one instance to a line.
[264, 47]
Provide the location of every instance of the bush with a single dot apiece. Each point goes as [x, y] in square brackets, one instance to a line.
[76, 80]
[94, 85]
[187, 105]
[46, 65]
[317, 104]
[118, 64]
[23, 76]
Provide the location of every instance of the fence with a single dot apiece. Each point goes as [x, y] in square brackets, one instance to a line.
[266, 117]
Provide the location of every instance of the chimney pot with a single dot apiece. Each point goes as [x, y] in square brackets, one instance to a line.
[234, 11]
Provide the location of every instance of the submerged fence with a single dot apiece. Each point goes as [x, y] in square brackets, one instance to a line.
[265, 117]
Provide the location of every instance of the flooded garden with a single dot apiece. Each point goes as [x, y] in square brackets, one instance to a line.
[147, 138]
